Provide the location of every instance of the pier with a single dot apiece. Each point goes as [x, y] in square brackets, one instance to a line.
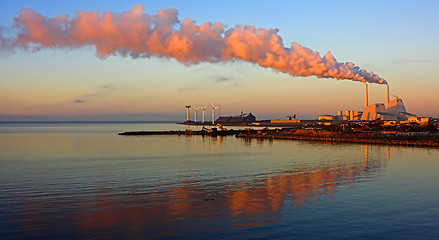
[210, 132]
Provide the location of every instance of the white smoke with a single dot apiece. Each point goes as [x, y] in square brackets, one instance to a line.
[136, 34]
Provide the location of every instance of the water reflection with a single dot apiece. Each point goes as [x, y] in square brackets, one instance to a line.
[198, 201]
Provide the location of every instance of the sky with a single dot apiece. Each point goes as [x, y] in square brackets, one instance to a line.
[396, 40]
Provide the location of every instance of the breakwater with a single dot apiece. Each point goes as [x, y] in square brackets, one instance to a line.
[369, 138]
[202, 132]
[415, 139]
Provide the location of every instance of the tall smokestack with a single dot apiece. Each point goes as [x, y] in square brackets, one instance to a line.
[366, 102]
[388, 99]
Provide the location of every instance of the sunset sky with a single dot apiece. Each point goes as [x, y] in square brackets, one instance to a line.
[397, 40]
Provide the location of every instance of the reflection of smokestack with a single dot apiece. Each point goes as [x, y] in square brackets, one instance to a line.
[366, 154]
[388, 150]
[388, 99]
[366, 102]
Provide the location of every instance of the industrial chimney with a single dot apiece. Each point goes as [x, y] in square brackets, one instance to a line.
[366, 102]
[388, 98]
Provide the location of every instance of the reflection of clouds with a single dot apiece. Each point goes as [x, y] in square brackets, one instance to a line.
[205, 200]
[265, 195]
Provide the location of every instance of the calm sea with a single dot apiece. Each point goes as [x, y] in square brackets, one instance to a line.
[83, 181]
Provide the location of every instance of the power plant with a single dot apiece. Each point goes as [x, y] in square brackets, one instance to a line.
[391, 112]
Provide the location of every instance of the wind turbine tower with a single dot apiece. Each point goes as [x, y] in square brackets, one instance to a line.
[188, 118]
[196, 110]
[213, 112]
[204, 111]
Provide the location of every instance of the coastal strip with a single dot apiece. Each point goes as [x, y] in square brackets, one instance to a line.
[187, 132]
[413, 141]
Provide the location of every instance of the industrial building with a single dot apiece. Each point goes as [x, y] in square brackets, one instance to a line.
[395, 110]
[243, 118]
[391, 111]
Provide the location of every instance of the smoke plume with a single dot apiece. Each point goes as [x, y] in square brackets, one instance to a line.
[136, 34]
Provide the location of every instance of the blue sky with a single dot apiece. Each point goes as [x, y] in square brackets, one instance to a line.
[395, 39]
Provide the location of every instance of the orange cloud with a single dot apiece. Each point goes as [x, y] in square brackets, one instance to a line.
[162, 35]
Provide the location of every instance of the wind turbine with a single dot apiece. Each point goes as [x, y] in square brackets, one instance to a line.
[204, 111]
[196, 110]
[188, 116]
[213, 112]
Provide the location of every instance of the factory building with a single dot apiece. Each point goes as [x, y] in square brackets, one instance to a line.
[395, 111]
[328, 117]
[376, 111]
[243, 118]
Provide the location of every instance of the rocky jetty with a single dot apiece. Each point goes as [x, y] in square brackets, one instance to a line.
[418, 139]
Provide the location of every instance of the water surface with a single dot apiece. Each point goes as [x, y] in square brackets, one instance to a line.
[82, 180]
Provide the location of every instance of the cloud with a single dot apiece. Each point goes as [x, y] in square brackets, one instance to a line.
[100, 91]
[139, 35]
[223, 79]
[5, 42]
[237, 85]
[229, 80]
[191, 89]
[108, 87]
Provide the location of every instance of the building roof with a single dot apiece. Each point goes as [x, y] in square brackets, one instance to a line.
[237, 119]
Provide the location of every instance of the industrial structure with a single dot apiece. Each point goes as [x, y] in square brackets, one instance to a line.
[243, 118]
[188, 116]
[196, 111]
[213, 107]
[391, 111]
[204, 111]
[213, 112]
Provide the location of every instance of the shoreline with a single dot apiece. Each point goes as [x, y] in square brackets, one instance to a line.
[411, 139]
[180, 132]
[414, 141]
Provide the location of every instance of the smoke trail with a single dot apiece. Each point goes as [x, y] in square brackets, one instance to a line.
[137, 34]
[5, 43]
